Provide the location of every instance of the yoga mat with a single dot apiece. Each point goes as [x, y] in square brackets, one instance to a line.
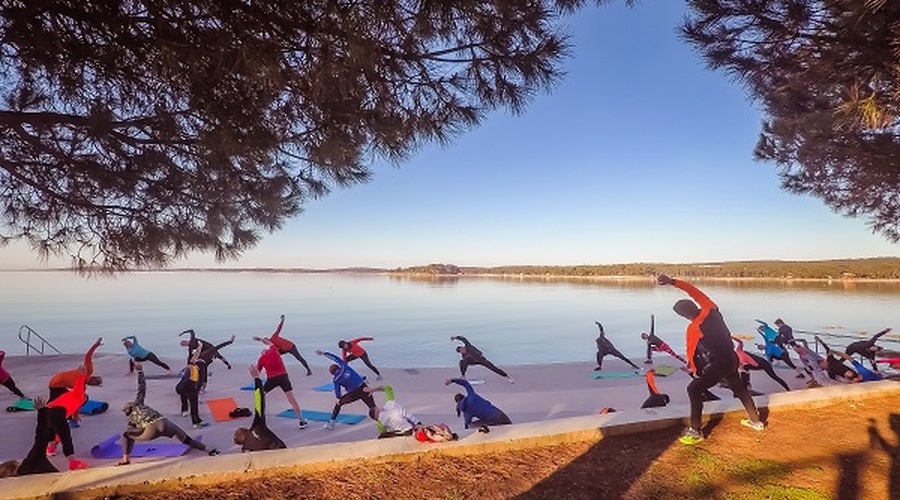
[112, 448]
[324, 416]
[92, 407]
[325, 388]
[21, 405]
[221, 408]
[664, 370]
[613, 374]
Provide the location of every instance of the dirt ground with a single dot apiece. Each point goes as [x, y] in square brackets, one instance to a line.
[849, 450]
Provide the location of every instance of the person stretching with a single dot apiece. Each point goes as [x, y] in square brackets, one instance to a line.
[655, 343]
[835, 367]
[147, 424]
[36, 461]
[709, 345]
[285, 346]
[475, 409]
[192, 382]
[61, 382]
[785, 334]
[277, 376]
[863, 374]
[749, 361]
[814, 364]
[656, 399]
[60, 411]
[356, 351]
[353, 384]
[867, 348]
[258, 437]
[605, 347]
[471, 355]
[392, 419]
[139, 353]
[6, 380]
[195, 344]
[772, 349]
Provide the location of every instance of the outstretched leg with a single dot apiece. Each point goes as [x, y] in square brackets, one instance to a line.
[616, 353]
[296, 354]
[11, 385]
[365, 359]
[490, 366]
[600, 356]
[155, 360]
[767, 367]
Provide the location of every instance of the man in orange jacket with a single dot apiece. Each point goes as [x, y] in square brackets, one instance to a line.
[710, 355]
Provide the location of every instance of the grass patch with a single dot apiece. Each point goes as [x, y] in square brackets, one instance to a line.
[698, 483]
[759, 470]
[777, 492]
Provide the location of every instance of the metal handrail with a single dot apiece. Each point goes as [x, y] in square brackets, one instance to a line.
[27, 341]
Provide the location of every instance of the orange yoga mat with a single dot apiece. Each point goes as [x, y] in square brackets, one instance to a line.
[220, 408]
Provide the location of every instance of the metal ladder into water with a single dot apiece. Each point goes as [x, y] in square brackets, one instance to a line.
[26, 334]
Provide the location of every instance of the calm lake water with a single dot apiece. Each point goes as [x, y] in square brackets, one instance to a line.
[515, 321]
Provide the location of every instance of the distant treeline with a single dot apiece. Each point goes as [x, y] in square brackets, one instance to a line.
[875, 268]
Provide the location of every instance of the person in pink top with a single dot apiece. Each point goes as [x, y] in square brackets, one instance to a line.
[6, 379]
[277, 376]
[357, 352]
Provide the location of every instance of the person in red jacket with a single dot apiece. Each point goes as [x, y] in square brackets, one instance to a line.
[277, 376]
[60, 410]
[357, 352]
[285, 346]
[65, 380]
[711, 357]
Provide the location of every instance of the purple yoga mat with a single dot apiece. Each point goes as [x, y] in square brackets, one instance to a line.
[111, 448]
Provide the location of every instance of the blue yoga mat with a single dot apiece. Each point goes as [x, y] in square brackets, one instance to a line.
[613, 374]
[252, 387]
[92, 407]
[324, 416]
[111, 448]
[325, 388]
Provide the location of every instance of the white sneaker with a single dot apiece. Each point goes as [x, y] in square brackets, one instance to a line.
[201, 424]
[510, 380]
[303, 423]
[184, 413]
[329, 425]
[757, 426]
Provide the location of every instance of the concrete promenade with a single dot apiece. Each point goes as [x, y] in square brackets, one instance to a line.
[547, 403]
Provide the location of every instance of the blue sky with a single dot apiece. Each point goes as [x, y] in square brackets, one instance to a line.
[639, 154]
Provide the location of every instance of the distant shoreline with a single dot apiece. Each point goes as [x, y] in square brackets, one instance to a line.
[517, 276]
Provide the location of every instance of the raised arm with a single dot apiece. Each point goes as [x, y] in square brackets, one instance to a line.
[277, 332]
[142, 385]
[465, 383]
[461, 339]
[879, 334]
[89, 357]
[702, 300]
[361, 339]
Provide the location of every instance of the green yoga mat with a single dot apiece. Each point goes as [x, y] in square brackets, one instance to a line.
[613, 374]
[21, 405]
[664, 370]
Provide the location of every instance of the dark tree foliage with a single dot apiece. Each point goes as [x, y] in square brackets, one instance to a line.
[826, 74]
[133, 132]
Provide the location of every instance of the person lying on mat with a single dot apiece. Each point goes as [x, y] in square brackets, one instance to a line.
[392, 418]
[258, 436]
[146, 424]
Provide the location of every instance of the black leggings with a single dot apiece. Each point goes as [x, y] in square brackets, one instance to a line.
[365, 359]
[786, 358]
[11, 385]
[151, 358]
[498, 418]
[161, 427]
[190, 394]
[354, 395]
[60, 425]
[295, 353]
[616, 353]
[764, 365]
[722, 367]
[465, 363]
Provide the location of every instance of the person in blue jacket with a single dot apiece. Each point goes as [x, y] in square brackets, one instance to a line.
[772, 349]
[141, 353]
[353, 384]
[475, 409]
